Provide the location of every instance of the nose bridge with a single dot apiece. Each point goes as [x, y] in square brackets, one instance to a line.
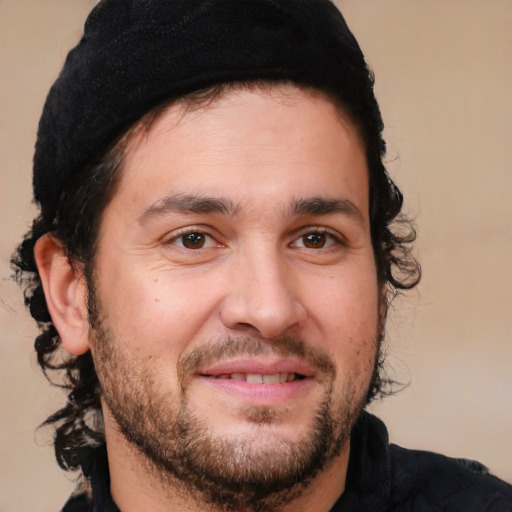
[262, 293]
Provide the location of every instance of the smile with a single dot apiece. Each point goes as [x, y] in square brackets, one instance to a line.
[257, 378]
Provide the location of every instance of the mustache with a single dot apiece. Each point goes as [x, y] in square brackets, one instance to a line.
[234, 346]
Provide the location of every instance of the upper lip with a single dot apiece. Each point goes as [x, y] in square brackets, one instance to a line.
[257, 365]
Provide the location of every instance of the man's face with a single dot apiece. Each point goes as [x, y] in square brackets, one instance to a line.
[238, 303]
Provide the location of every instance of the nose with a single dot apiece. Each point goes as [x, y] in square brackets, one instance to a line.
[263, 297]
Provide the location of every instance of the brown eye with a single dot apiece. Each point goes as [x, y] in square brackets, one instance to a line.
[193, 240]
[314, 240]
[317, 239]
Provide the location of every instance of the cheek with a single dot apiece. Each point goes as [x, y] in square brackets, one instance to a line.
[347, 317]
[346, 304]
[160, 309]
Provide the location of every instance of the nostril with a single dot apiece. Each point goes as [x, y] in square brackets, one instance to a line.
[246, 327]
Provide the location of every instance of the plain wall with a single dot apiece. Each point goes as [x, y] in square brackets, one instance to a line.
[444, 75]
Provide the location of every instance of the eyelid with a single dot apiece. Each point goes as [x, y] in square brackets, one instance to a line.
[336, 235]
[170, 238]
[320, 229]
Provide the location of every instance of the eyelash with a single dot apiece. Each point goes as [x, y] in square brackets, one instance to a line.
[190, 231]
[336, 238]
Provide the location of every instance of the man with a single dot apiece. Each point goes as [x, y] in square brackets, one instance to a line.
[216, 252]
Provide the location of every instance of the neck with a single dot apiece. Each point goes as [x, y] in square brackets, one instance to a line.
[136, 485]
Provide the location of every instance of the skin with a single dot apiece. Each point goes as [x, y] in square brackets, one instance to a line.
[260, 265]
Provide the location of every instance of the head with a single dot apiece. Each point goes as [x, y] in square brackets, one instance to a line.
[82, 183]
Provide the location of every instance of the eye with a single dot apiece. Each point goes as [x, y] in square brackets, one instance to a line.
[319, 239]
[194, 240]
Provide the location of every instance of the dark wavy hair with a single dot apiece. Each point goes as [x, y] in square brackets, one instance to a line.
[76, 226]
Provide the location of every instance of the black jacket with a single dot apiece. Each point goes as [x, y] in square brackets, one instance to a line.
[381, 478]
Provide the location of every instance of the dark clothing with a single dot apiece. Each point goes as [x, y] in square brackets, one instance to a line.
[388, 478]
[381, 478]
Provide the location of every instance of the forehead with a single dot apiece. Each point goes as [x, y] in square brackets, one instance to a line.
[258, 139]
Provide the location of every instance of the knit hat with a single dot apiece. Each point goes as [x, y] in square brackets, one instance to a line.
[135, 54]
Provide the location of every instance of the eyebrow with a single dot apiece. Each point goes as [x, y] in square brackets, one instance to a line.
[183, 203]
[326, 206]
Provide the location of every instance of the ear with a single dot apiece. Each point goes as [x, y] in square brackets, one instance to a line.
[65, 292]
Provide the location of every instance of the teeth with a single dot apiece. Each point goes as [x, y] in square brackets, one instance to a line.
[253, 378]
[256, 378]
[271, 379]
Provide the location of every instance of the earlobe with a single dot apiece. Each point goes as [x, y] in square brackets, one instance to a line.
[65, 292]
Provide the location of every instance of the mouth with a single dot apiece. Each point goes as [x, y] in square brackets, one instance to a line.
[259, 378]
[260, 389]
[258, 370]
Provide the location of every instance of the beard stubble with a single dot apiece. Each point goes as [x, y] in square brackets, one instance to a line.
[178, 448]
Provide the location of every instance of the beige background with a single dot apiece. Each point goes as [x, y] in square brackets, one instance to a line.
[444, 75]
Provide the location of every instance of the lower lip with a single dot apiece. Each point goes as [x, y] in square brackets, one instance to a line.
[261, 394]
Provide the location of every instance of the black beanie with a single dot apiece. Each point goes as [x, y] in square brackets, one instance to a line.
[135, 54]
